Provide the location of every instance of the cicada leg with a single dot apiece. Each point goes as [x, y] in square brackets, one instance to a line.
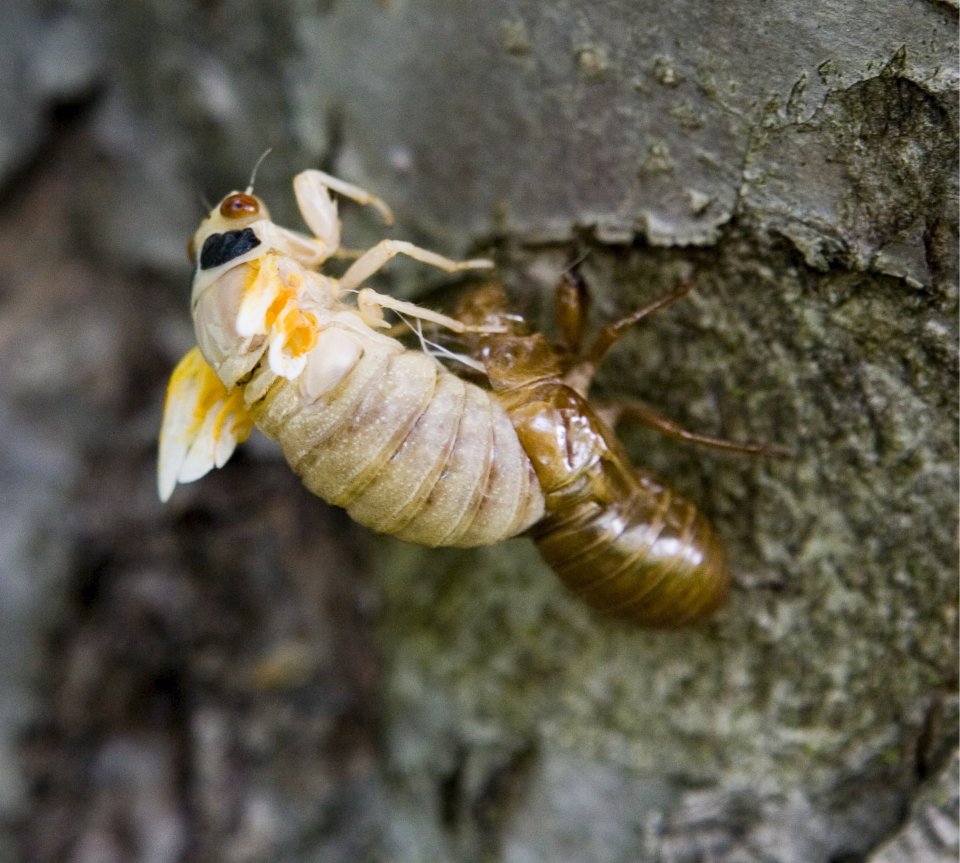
[376, 258]
[615, 412]
[371, 304]
[571, 301]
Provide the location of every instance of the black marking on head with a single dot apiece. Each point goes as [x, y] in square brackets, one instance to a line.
[220, 248]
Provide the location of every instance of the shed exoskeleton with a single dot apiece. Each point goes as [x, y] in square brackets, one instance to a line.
[619, 538]
[404, 445]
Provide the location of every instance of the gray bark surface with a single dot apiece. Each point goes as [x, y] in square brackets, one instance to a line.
[243, 675]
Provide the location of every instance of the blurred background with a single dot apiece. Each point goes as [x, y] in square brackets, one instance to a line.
[244, 675]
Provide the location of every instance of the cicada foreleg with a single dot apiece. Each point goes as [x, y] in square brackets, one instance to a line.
[319, 210]
[571, 307]
[571, 302]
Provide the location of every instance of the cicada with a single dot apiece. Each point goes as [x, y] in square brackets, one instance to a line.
[409, 447]
[388, 433]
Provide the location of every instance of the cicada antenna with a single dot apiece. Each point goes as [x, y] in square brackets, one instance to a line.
[253, 173]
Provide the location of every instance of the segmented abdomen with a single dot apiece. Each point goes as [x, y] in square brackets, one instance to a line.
[619, 539]
[407, 448]
[649, 556]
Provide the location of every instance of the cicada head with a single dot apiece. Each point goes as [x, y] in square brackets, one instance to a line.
[226, 232]
[511, 354]
[486, 305]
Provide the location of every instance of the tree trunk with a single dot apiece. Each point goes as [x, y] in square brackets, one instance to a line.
[244, 675]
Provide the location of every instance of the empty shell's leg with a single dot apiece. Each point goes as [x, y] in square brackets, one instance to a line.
[612, 332]
[615, 413]
[582, 371]
[571, 306]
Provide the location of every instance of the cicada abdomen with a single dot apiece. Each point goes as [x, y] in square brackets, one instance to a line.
[407, 448]
[621, 540]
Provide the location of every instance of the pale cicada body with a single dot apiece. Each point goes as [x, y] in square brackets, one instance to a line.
[404, 445]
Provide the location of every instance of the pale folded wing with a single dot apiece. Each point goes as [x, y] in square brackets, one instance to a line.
[202, 424]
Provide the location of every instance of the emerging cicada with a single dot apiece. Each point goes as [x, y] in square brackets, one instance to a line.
[404, 445]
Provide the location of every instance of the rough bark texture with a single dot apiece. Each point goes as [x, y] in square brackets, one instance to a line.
[243, 675]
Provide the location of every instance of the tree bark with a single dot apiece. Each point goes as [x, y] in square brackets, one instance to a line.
[243, 675]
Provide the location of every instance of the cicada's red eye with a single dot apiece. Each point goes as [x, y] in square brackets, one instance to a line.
[239, 205]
